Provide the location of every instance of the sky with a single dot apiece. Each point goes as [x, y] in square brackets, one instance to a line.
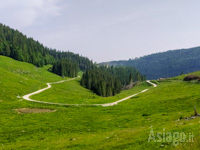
[105, 30]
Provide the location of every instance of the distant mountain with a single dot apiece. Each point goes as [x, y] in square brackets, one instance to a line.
[165, 64]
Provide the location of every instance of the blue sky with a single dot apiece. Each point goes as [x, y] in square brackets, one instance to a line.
[105, 30]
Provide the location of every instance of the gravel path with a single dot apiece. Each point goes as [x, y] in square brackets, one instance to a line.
[27, 97]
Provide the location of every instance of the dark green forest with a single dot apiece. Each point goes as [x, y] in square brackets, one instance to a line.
[108, 81]
[65, 68]
[16, 45]
[166, 64]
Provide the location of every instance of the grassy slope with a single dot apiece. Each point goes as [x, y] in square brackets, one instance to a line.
[123, 126]
[19, 78]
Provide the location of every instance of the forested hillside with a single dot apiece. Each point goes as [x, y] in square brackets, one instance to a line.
[16, 45]
[108, 81]
[166, 64]
[103, 80]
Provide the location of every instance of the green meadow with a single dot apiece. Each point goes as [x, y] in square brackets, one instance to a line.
[123, 126]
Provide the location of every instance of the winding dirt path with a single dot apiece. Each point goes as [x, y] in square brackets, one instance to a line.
[115, 103]
[27, 97]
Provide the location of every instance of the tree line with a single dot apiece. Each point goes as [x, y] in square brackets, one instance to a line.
[109, 81]
[17, 46]
[65, 67]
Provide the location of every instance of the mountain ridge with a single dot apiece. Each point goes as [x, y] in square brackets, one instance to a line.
[164, 64]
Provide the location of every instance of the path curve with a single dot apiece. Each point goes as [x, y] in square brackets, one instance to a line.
[115, 103]
[27, 97]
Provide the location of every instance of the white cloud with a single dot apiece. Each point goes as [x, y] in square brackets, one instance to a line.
[25, 13]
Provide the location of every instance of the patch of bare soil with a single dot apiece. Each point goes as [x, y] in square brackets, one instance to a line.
[34, 110]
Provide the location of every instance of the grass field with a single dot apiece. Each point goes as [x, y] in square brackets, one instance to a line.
[123, 126]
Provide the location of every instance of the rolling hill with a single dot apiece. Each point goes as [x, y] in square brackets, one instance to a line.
[123, 126]
[166, 64]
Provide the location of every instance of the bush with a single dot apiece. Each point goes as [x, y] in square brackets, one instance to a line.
[191, 77]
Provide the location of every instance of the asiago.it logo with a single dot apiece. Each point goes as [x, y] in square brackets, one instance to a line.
[170, 137]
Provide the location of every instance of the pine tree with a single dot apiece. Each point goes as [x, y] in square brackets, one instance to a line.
[130, 78]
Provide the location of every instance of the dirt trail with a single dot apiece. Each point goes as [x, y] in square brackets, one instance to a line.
[27, 97]
[115, 103]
